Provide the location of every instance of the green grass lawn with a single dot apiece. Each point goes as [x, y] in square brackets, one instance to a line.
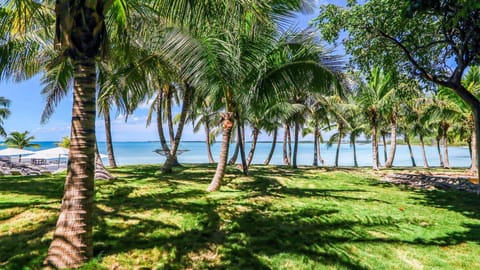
[278, 218]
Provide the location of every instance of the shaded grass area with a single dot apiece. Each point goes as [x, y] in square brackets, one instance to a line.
[277, 218]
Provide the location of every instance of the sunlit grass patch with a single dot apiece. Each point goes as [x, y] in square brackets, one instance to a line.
[275, 218]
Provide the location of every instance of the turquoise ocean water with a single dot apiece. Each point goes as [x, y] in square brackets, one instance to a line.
[142, 153]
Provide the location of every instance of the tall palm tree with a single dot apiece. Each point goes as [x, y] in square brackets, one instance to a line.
[203, 114]
[262, 70]
[20, 140]
[418, 119]
[81, 36]
[372, 97]
[356, 124]
[445, 113]
[339, 111]
[4, 113]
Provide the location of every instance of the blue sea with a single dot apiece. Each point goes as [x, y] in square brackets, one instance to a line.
[129, 153]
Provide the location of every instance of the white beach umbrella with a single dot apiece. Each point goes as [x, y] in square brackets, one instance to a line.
[51, 153]
[15, 152]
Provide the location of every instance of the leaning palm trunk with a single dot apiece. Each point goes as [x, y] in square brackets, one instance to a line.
[473, 150]
[241, 135]
[295, 143]
[161, 134]
[172, 156]
[72, 243]
[424, 154]
[374, 148]
[439, 151]
[234, 157]
[289, 144]
[319, 154]
[168, 113]
[254, 144]
[108, 138]
[286, 159]
[100, 171]
[169, 116]
[339, 142]
[383, 134]
[208, 141]
[407, 141]
[222, 161]
[393, 141]
[272, 150]
[446, 163]
[315, 146]
[355, 163]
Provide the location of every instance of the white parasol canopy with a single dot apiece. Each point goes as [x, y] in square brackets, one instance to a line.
[51, 153]
[15, 152]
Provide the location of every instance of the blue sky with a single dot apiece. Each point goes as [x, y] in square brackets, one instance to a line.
[27, 105]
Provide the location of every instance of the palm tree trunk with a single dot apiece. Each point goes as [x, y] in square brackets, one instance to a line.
[222, 161]
[445, 150]
[108, 138]
[407, 141]
[207, 141]
[295, 143]
[469, 145]
[473, 150]
[339, 142]
[172, 157]
[72, 243]
[289, 144]
[272, 150]
[286, 160]
[475, 142]
[384, 146]
[439, 151]
[234, 157]
[319, 154]
[315, 146]
[393, 141]
[242, 147]
[355, 163]
[255, 133]
[424, 153]
[161, 134]
[168, 113]
[374, 148]
[100, 171]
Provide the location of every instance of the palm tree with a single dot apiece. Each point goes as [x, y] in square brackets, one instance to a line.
[262, 70]
[445, 113]
[203, 113]
[460, 114]
[372, 98]
[339, 111]
[20, 140]
[80, 34]
[356, 125]
[4, 113]
[64, 142]
[415, 121]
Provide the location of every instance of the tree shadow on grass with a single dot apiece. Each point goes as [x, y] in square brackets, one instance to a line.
[229, 232]
[27, 247]
[46, 186]
[466, 203]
